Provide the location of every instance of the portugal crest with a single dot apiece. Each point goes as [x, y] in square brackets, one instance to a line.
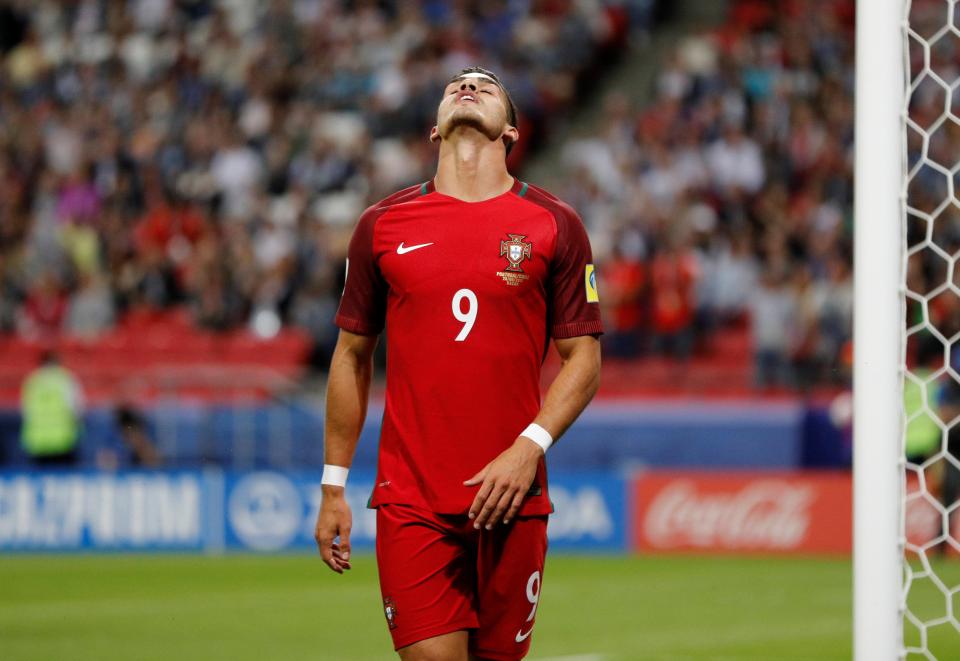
[390, 611]
[515, 249]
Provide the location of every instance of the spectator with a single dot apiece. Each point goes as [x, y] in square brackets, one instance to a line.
[624, 285]
[836, 313]
[135, 433]
[735, 163]
[78, 202]
[171, 227]
[314, 310]
[44, 310]
[772, 316]
[924, 437]
[91, 311]
[238, 173]
[729, 278]
[806, 328]
[51, 411]
[673, 279]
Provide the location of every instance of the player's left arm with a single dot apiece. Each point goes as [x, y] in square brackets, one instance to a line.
[506, 479]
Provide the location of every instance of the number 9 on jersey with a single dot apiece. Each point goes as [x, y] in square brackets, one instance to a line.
[466, 318]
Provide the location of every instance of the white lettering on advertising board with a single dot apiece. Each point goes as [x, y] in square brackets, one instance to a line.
[62, 511]
[772, 514]
[579, 513]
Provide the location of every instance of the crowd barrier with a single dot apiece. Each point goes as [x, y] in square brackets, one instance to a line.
[677, 434]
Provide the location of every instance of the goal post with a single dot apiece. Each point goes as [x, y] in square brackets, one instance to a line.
[878, 329]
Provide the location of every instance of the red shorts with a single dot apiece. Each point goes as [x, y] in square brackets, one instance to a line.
[438, 575]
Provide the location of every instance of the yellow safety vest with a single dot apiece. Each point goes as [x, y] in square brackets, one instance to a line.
[923, 433]
[50, 424]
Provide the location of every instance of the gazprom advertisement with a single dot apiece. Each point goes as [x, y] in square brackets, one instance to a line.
[121, 511]
[263, 511]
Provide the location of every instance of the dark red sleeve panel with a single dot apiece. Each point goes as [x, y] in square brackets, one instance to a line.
[363, 305]
[570, 313]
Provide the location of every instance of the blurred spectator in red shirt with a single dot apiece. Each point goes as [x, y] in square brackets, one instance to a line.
[44, 310]
[624, 280]
[673, 277]
[171, 227]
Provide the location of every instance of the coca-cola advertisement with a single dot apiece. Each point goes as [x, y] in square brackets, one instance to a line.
[790, 512]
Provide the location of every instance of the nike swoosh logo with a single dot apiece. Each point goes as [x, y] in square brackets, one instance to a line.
[402, 250]
[523, 636]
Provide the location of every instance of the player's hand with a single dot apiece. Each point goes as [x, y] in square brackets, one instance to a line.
[334, 519]
[505, 483]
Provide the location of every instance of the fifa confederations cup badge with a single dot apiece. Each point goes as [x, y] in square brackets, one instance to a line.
[515, 249]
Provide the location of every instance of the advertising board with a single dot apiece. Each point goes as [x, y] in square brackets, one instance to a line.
[769, 512]
[261, 511]
[63, 511]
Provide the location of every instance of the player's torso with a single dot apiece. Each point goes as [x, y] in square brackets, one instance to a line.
[467, 281]
[466, 327]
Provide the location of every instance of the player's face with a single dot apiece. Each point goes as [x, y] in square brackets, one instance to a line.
[474, 102]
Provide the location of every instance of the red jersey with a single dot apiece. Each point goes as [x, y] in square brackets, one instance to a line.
[470, 293]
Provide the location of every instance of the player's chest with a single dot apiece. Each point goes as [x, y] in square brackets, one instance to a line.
[500, 251]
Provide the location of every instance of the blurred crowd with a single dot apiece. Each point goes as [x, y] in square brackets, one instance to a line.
[215, 154]
[726, 199]
[933, 218]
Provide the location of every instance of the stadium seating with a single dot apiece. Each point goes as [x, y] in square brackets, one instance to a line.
[144, 353]
[112, 220]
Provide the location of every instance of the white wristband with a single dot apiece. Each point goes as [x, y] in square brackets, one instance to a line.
[335, 476]
[538, 435]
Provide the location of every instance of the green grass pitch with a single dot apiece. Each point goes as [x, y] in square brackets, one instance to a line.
[291, 607]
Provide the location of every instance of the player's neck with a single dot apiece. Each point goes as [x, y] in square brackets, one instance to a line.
[472, 168]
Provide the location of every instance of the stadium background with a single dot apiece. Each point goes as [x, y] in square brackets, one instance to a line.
[178, 183]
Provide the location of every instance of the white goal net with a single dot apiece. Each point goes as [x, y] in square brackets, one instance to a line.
[930, 601]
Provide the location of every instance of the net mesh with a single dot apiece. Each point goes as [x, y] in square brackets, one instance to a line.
[931, 536]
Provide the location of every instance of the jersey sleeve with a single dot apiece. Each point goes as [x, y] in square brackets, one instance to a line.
[574, 306]
[363, 303]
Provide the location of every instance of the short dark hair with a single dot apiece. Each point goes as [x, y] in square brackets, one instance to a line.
[511, 106]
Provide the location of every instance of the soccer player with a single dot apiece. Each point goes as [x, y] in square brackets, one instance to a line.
[471, 273]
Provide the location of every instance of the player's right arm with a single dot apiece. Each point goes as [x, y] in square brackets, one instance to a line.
[361, 318]
[348, 388]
